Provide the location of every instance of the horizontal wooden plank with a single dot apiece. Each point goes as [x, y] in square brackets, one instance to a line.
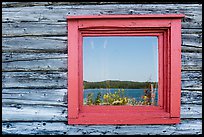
[191, 31]
[191, 111]
[191, 68]
[193, 12]
[16, 57]
[30, 4]
[191, 61]
[191, 75]
[35, 96]
[60, 28]
[191, 49]
[191, 97]
[190, 127]
[150, 7]
[196, 84]
[36, 65]
[17, 102]
[22, 4]
[34, 29]
[34, 80]
[33, 112]
[192, 39]
[33, 45]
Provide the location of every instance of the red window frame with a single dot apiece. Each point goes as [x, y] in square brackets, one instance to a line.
[167, 27]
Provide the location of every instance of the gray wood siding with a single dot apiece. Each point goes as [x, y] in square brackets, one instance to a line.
[34, 67]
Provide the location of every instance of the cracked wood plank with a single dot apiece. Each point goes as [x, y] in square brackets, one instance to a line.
[193, 12]
[187, 126]
[39, 80]
[41, 29]
[34, 45]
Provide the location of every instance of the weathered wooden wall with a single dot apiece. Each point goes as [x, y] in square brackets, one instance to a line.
[34, 77]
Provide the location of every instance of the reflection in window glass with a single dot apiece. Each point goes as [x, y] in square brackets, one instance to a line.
[120, 70]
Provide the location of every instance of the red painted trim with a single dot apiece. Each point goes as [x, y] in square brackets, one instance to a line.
[80, 70]
[124, 23]
[165, 67]
[113, 109]
[148, 16]
[167, 71]
[121, 119]
[168, 30]
[175, 68]
[161, 69]
[73, 76]
[120, 34]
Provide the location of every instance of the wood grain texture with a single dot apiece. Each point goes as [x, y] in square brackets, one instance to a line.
[189, 97]
[34, 80]
[193, 12]
[53, 97]
[187, 126]
[34, 45]
[32, 28]
[34, 56]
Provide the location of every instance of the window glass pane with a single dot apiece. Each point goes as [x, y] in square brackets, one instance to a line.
[120, 70]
